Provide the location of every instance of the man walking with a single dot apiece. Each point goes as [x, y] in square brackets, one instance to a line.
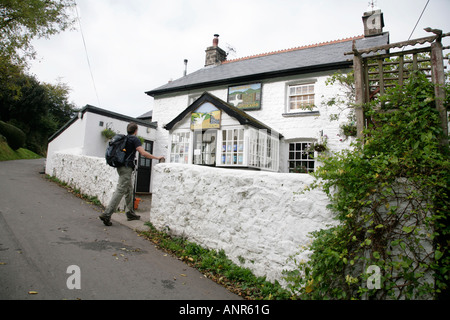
[124, 185]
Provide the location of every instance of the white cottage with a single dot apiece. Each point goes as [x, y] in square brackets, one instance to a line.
[258, 112]
[82, 135]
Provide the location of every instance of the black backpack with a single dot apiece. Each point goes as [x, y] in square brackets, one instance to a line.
[116, 151]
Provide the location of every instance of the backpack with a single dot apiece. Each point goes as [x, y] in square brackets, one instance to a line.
[116, 151]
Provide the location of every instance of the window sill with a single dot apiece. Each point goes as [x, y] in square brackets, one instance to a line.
[301, 114]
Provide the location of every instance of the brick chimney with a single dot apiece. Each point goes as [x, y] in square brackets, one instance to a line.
[215, 55]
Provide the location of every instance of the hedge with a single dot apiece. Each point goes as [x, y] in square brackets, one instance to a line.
[16, 137]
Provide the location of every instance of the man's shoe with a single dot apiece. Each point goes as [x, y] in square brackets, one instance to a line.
[106, 220]
[132, 216]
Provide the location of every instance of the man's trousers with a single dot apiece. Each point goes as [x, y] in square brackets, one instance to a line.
[124, 188]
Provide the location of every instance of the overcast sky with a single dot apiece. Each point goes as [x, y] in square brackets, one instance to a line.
[138, 45]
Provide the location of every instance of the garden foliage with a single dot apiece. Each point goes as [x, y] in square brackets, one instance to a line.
[390, 197]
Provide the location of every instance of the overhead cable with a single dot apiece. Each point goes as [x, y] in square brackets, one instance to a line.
[87, 55]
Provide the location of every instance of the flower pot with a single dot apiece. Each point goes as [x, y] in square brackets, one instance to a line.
[320, 148]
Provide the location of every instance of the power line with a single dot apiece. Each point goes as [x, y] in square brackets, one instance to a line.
[418, 20]
[87, 55]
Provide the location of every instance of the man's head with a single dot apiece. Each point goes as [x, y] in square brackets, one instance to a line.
[132, 128]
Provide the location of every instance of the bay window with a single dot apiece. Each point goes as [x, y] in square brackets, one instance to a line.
[229, 147]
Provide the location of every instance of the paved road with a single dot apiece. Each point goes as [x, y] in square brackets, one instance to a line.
[44, 230]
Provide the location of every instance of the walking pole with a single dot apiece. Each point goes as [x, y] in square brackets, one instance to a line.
[135, 181]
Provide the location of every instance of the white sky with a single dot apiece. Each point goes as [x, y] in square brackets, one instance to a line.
[138, 45]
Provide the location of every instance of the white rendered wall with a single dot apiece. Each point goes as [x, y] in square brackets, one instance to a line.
[83, 137]
[71, 141]
[260, 217]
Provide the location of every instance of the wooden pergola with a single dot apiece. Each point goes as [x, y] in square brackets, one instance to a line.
[376, 72]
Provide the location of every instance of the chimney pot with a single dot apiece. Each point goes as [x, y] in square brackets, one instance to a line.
[216, 40]
[185, 66]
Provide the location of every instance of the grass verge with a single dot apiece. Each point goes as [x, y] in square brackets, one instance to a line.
[216, 266]
[6, 153]
[75, 191]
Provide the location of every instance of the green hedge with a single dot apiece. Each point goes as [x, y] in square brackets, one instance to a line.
[15, 136]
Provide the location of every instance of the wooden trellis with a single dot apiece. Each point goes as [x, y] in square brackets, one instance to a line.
[375, 73]
[388, 70]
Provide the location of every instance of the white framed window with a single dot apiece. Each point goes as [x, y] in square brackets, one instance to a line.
[301, 97]
[180, 147]
[263, 150]
[301, 158]
[232, 150]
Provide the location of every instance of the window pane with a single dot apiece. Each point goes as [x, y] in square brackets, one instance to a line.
[179, 148]
[292, 91]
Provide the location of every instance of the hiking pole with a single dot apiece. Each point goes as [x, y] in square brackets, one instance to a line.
[135, 181]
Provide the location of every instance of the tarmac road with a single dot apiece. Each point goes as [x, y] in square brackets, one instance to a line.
[44, 230]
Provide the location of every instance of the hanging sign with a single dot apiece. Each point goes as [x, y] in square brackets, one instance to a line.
[246, 97]
[207, 116]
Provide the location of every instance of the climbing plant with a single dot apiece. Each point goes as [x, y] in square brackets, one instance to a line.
[390, 200]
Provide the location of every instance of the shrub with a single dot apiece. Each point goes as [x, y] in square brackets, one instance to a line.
[391, 200]
[16, 137]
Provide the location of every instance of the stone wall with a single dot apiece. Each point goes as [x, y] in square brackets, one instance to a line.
[91, 175]
[258, 218]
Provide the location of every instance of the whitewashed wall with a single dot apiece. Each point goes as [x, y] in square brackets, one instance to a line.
[91, 175]
[83, 137]
[258, 217]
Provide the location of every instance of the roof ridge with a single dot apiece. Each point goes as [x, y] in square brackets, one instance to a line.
[294, 49]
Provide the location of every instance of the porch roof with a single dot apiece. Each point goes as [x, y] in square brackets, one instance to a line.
[240, 115]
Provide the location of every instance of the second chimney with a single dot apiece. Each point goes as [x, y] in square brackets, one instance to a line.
[373, 22]
[215, 55]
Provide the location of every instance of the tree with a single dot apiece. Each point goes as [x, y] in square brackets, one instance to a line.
[38, 109]
[23, 21]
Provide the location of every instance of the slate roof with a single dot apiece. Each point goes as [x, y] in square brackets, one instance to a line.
[145, 116]
[103, 112]
[306, 59]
